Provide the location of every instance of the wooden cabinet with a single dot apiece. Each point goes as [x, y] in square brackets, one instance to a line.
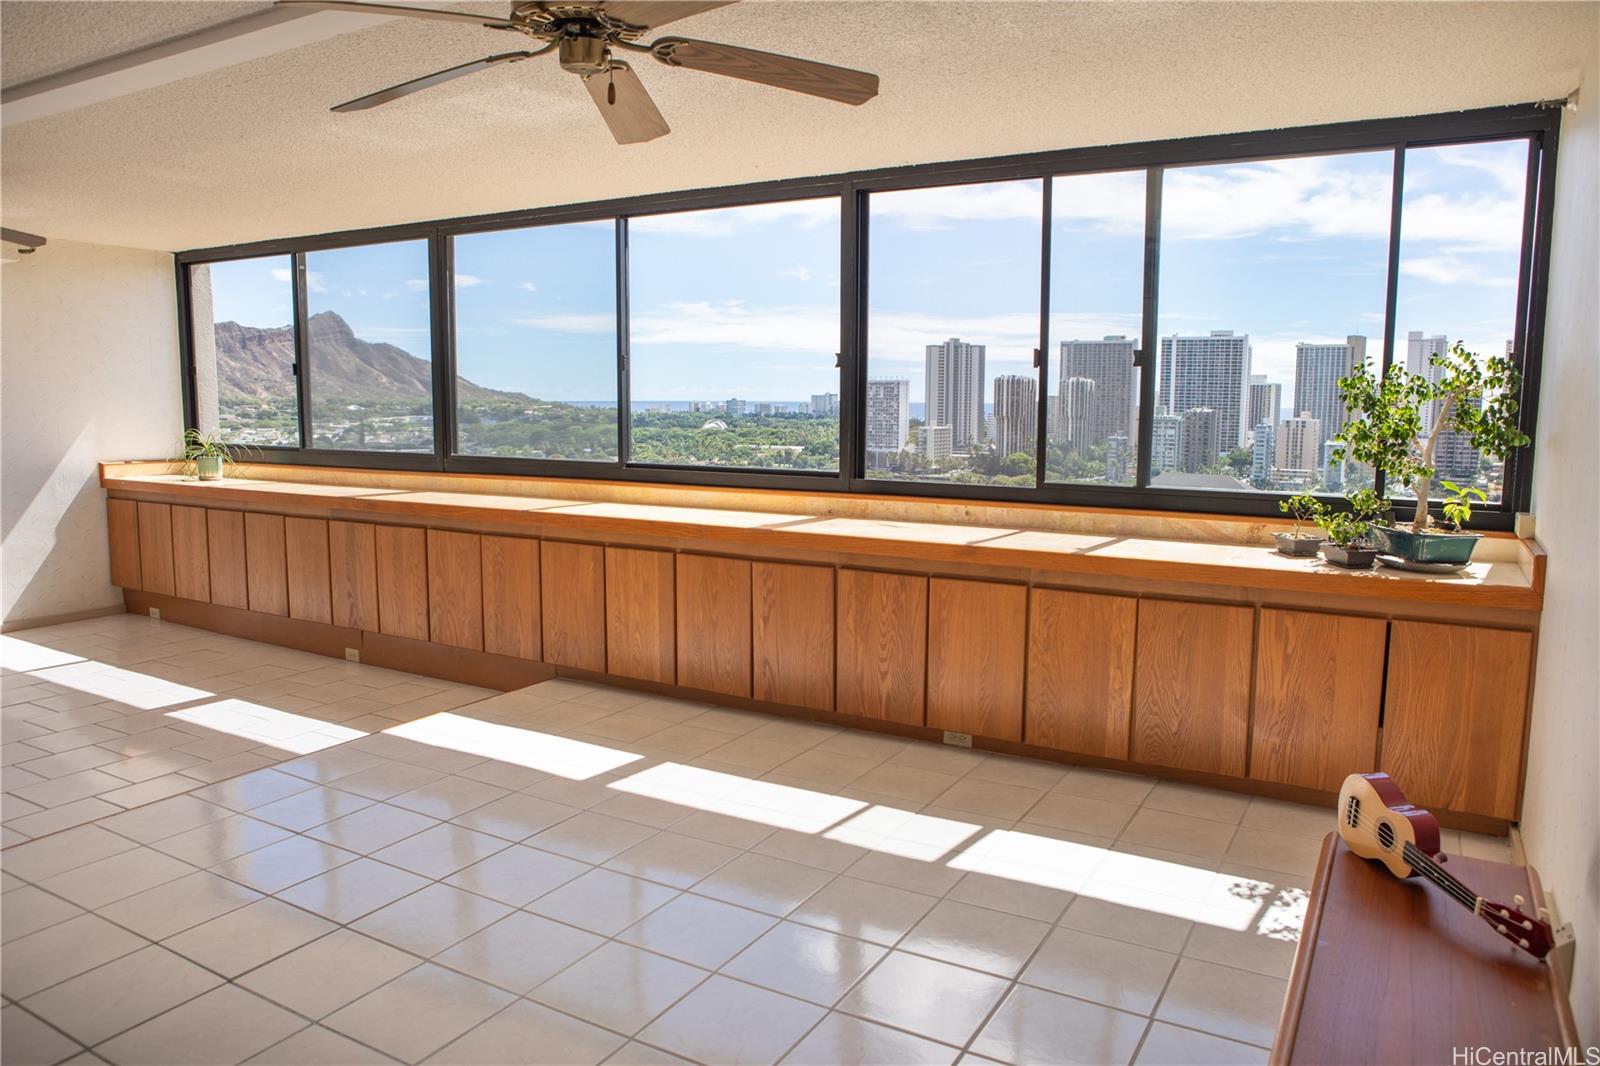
[353, 575]
[572, 580]
[122, 531]
[883, 645]
[792, 634]
[402, 559]
[1080, 671]
[511, 597]
[977, 640]
[306, 553]
[640, 631]
[1454, 715]
[191, 571]
[1319, 691]
[225, 553]
[265, 565]
[713, 618]
[1192, 685]
[155, 548]
[455, 589]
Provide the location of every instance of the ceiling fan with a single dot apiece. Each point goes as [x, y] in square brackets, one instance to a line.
[586, 34]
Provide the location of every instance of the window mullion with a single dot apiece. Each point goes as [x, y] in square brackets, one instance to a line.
[1042, 354]
[624, 399]
[302, 369]
[1149, 345]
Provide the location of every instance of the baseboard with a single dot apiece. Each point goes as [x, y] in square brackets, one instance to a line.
[16, 625]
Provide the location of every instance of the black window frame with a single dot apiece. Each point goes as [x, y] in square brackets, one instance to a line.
[1538, 124]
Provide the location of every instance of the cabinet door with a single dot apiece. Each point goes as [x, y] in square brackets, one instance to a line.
[191, 571]
[977, 643]
[402, 556]
[353, 574]
[713, 612]
[572, 581]
[122, 531]
[640, 637]
[306, 552]
[1192, 685]
[155, 548]
[883, 645]
[1080, 671]
[1319, 689]
[511, 596]
[225, 552]
[1454, 713]
[792, 634]
[266, 569]
[455, 589]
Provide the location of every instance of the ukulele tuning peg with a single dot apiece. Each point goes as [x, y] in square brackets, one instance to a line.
[1523, 944]
[1501, 929]
[1519, 901]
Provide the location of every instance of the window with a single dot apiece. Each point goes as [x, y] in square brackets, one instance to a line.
[242, 330]
[369, 348]
[733, 330]
[952, 324]
[536, 342]
[1274, 277]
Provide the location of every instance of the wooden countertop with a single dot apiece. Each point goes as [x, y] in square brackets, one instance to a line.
[1512, 583]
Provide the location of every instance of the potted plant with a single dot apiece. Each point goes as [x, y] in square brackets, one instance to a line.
[1304, 508]
[1475, 398]
[206, 454]
[1349, 533]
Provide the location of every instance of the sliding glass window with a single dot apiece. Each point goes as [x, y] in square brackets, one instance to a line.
[733, 330]
[242, 335]
[536, 342]
[369, 346]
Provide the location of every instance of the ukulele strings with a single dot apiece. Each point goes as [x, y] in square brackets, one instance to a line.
[1445, 880]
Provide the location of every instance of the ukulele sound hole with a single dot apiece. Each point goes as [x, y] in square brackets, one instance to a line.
[1386, 836]
[1352, 812]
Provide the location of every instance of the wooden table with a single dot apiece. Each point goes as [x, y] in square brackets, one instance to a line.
[1392, 971]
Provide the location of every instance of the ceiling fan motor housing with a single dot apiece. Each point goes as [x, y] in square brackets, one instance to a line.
[584, 55]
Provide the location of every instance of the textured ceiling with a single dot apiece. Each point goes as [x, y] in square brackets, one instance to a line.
[252, 152]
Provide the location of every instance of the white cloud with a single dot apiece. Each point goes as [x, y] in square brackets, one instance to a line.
[314, 280]
[721, 222]
[417, 284]
[1451, 270]
[282, 275]
[467, 281]
[799, 273]
[528, 286]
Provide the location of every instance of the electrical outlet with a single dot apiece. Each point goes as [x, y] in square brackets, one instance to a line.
[958, 740]
[353, 654]
[155, 612]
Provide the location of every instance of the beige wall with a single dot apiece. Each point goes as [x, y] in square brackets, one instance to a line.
[88, 371]
[1561, 810]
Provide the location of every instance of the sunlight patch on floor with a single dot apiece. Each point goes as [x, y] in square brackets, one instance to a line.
[782, 806]
[279, 729]
[545, 752]
[22, 656]
[127, 687]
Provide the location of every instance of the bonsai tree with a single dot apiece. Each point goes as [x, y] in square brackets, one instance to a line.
[1458, 505]
[1348, 528]
[1473, 397]
[1303, 507]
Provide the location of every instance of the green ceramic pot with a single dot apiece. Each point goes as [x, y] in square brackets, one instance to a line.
[1426, 547]
[208, 467]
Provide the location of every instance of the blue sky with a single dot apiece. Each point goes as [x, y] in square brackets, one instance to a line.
[744, 301]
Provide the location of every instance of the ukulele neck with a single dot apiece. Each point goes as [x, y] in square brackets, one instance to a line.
[1425, 865]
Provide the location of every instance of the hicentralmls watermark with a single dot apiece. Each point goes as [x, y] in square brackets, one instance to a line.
[1544, 1056]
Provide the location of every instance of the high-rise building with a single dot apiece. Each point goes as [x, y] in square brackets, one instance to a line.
[1317, 370]
[1210, 371]
[825, 404]
[955, 391]
[1077, 424]
[1263, 456]
[1108, 363]
[1266, 402]
[1420, 351]
[1165, 432]
[1333, 470]
[1198, 439]
[1117, 457]
[936, 443]
[1299, 444]
[1016, 414]
[734, 407]
[1454, 457]
[888, 414]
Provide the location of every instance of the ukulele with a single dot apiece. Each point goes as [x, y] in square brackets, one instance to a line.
[1376, 821]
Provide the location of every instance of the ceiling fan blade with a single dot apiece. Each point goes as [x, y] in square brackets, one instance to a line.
[428, 81]
[768, 68]
[494, 21]
[625, 105]
[653, 13]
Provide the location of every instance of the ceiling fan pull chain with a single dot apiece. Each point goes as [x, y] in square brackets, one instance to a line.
[611, 86]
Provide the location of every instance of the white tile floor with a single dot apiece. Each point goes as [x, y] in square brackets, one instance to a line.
[339, 864]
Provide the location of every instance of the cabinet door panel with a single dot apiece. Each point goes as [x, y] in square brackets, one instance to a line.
[122, 531]
[266, 568]
[1454, 715]
[1192, 685]
[191, 571]
[225, 552]
[155, 548]
[402, 555]
[572, 580]
[977, 643]
[883, 645]
[1319, 689]
[310, 586]
[455, 589]
[640, 637]
[1080, 671]
[713, 612]
[353, 574]
[511, 597]
[792, 634]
